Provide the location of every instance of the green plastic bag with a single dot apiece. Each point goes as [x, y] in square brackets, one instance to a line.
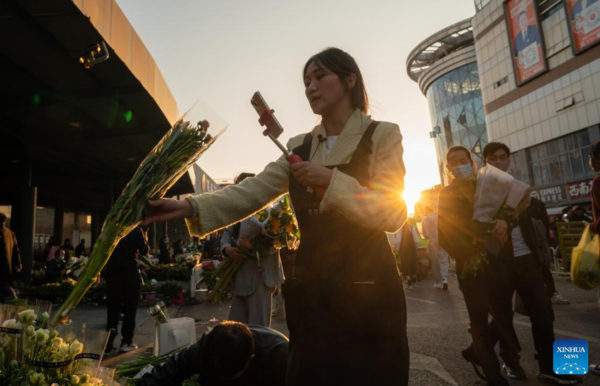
[585, 261]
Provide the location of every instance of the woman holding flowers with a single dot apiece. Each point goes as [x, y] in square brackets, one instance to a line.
[345, 304]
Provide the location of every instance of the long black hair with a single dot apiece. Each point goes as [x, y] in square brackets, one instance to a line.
[343, 64]
[227, 352]
[595, 151]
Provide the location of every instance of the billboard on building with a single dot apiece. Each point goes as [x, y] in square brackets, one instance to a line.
[526, 39]
[583, 17]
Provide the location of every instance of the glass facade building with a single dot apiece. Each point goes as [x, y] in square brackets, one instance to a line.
[457, 114]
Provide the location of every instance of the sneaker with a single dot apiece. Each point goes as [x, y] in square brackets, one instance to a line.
[112, 334]
[557, 299]
[560, 379]
[514, 371]
[470, 357]
[128, 347]
[595, 369]
[445, 285]
[437, 285]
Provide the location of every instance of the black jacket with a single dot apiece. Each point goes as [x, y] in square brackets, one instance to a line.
[127, 252]
[267, 368]
[456, 229]
[53, 269]
[536, 210]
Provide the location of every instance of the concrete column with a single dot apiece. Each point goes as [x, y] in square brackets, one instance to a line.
[59, 217]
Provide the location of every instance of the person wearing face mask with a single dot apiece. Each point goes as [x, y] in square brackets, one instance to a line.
[460, 236]
[528, 272]
[344, 302]
[56, 268]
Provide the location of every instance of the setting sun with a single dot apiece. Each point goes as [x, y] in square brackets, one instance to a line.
[411, 197]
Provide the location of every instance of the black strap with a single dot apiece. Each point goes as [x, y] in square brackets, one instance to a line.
[236, 230]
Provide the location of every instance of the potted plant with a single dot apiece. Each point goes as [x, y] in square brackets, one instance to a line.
[174, 290]
[148, 293]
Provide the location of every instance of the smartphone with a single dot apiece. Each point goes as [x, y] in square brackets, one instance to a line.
[260, 105]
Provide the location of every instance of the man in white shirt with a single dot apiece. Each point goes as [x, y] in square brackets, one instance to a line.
[524, 263]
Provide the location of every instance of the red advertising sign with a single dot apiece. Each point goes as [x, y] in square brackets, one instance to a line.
[584, 23]
[526, 39]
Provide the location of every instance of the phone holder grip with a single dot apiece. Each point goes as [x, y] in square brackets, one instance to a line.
[318, 190]
[264, 121]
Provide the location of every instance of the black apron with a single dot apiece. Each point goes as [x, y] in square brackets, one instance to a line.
[345, 303]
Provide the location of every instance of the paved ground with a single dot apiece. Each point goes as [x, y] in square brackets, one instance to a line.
[437, 329]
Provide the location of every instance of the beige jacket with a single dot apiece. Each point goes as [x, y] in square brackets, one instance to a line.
[378, 207]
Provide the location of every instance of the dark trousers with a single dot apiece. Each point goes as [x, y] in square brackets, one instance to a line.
[548, 280]
[476, 291]
[488, 293]
[122, 295]
[6, 290]
[525, 276]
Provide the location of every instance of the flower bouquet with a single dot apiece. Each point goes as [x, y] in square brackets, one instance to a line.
[170, 159]
[269, 230]
[45, 358]
[498, 196]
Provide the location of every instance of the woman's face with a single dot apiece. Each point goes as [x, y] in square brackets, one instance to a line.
[324, 89]
[458, 158]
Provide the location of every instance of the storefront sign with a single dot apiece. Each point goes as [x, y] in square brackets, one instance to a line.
[552, 195]
[584, 23]
[580, 190]
[526, 39]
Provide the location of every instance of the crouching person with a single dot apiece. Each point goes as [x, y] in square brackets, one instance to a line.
[231, 354]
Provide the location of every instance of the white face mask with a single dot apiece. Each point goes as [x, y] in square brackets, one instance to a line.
[61, 257]
[462, 172]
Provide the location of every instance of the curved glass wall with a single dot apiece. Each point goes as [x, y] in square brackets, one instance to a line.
[457, 114]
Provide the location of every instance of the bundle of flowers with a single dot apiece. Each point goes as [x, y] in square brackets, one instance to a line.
[32, 355]
[498, 196]
[170, 159]
[277, 229]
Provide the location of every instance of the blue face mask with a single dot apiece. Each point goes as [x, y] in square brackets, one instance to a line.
[462, 172]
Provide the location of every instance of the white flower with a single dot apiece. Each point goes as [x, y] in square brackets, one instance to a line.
[10, 323]
[63, 351]
[36, 378]
[30, 330]
[74, 380]
[53, 334]
[56, 343]
[41, 336]
[76, 348]
[42, 320]
[27, 317]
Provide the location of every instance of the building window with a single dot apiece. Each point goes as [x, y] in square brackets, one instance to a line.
[479, 4]
[520, 167]
[456, 107]
[560, 160]
[549, 7]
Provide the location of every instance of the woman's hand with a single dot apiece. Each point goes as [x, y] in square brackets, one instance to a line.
[244, 243]
[235, 254]
[311, 174]
[167, 209]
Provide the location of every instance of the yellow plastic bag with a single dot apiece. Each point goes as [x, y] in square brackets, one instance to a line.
[585, 261]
